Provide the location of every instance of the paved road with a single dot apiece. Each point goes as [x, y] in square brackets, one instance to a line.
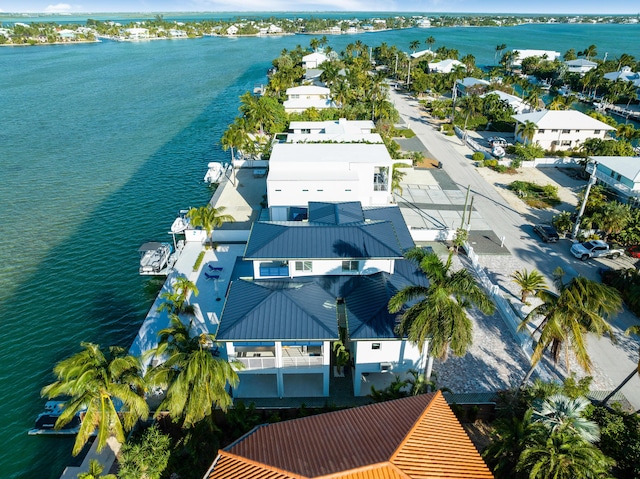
[615, 361]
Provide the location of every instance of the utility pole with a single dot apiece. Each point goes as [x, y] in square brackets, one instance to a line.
[592, 180]
[409, 73]
[395, 72]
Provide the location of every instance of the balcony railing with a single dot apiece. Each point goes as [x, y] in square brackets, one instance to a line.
[302, 361]
[257, 362]
[615, 184]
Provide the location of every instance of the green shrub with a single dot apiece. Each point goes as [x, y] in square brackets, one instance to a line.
[500, 168]
[477, 156]
[196, 265]
[491, 163]
[516, 163]
[535, 195]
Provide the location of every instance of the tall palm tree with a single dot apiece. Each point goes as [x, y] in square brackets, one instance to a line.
[396, 176]
[529, 282]
[234, 137]
[499, 49]
[560, 413]
[429, 42]
[195, 379]
[93, 379]
[581, 306]
[413, 45]
[438, 312]
[613, 218]
[589, 52]
[471, 105]
[209, 218]
[526, 131]
[563, 456]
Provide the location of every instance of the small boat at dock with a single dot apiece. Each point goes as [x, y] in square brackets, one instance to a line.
[214, 173]
[181, 222]
[154, 258]
[46, 421]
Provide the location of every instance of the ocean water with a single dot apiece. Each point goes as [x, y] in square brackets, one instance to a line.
[100, 146]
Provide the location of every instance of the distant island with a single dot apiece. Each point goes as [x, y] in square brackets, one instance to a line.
[43, 33]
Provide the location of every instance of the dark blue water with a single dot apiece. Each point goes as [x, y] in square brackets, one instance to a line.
[100, 145]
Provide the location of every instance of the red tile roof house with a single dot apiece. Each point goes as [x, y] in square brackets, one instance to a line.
[410, 438]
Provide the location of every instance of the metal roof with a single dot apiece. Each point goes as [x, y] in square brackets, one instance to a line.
[562, 119]
[302, 240]
[335, 213]
[415, 437]
[393, 214]
[275, 310]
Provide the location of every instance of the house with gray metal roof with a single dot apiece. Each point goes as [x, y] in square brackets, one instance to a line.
[620, 173]
[328, 278]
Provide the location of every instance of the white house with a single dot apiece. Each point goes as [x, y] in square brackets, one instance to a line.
[421, 53]
[445, 66]
[232, 30]
[339, 131]
[580, 66]
[620, 173]
[561, 129]
[313, 60]
[522, 54]
[300, 98]
[137, 33]
[304, 172]
[314, 283]
[513, 101]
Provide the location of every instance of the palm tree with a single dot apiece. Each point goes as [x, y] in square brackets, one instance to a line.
[582, 306]
[195, 379]
[563, 456]
[510, 437]
[526, 131]
[95, 471]
[529, 282]
[414, 45]
[613, 218]
[175, 301]
[396, 176]
[439, 311]
[429, 42]
[559, 413]
[234, 137]
[93, 379]
[471, 105]
[209, 218]
[589, 52]
[499, 49]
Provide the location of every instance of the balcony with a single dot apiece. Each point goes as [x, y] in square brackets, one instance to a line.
[613, 183]
[260, 357]
[302, 356]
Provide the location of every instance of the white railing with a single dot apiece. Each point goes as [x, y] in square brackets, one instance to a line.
[302, 361]
[615, 184]
[256, 363]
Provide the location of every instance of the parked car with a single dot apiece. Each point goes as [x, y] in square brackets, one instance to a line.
[547, 233]
[634, 251]
[594, 249]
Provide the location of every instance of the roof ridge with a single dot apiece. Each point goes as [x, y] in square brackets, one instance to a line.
[363, 469]
[415, 426]
[261, 465]
[395, 235]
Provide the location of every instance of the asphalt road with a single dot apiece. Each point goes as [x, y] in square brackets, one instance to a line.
[614, 360]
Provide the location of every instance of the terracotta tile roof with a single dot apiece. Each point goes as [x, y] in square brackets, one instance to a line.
[410, 438]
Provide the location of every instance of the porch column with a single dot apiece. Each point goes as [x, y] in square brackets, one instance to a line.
[279, 376]
[326, 367]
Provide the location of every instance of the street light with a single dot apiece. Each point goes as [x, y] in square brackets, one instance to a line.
[592, 181]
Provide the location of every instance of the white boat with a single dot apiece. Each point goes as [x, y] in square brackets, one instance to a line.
[498, 151]
[154, 258]
[46, 420]
[181, 223]
[214, 173]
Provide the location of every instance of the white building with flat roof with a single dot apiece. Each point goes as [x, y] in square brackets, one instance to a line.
[340, 131]
[304, 172]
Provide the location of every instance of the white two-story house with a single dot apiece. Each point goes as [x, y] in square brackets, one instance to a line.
[561, 129]
[300, 98]
[313, 283]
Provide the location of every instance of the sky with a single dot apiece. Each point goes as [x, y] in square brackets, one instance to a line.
[427, 6]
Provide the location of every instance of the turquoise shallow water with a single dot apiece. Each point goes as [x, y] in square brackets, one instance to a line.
[100, 145]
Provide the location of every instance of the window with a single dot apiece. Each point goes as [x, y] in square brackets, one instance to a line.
[304, 266]
[566, 132]
[375, 345]
[295, 97]
[566, 143]
[350, 265]
[596, 132]
[306, 130]
[305, 190]
[554, 131]
[540, 131]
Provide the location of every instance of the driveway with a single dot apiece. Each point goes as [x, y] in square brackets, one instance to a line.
[512, 220]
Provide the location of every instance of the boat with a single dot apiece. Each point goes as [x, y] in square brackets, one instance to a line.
[46, 420]
[181, 223]
[154, 258]
[498, 151]
[214, 173]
